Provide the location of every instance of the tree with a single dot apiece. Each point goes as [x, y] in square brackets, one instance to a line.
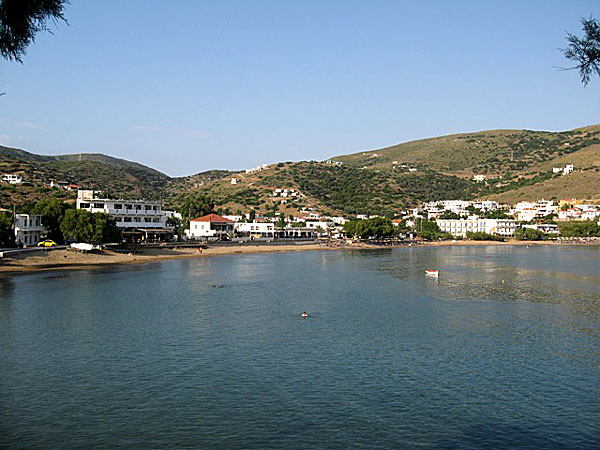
[585, 51]
[21, 20]
[529, 234]
[428, 230]
[83, 226]
[376, 227]
[252, 215]
[281, 222]
[7, 234]
[588, 228]
[196, 205]
[52, 211]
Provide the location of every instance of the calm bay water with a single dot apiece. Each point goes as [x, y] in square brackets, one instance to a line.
[212, 353]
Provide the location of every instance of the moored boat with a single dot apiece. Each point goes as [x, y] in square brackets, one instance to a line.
[432, 273]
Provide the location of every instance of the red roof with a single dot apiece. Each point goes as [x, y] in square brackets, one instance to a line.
[211, 218]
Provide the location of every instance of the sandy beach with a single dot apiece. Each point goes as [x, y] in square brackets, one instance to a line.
[47, 260]
[71, 259]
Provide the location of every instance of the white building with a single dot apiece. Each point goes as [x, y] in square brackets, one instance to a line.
[568, 169]
[256, 229]
[319, 225]
[29, 229]
[210, 226]
[486, 205]
[127, 213]
[527, 211]
[11, 178]
[460, 227]
[548, 228]
[479, 178]
[257, 168]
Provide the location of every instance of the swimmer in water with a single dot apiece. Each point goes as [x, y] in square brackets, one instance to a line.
[304, 314]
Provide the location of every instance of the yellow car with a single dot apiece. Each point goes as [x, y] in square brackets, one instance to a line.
[47, 243]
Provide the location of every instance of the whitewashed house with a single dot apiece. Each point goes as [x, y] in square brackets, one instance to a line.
[210, 226]
[29, 229]
[11, 178]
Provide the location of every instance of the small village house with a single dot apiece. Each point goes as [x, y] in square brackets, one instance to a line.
[29, 229]
[210, 226]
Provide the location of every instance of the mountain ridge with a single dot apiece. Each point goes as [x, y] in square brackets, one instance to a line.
[510, 164]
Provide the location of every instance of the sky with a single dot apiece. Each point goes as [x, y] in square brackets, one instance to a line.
[187, 86]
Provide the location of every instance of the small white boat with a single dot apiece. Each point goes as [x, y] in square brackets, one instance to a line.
[83, 247]
[432, 273]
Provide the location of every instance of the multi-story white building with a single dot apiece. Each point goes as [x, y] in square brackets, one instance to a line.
[29, 229]
[527, 211]
[460, 227]
[127, 213]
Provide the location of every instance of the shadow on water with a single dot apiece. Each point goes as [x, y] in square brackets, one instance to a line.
[513, 436]
[7, 288]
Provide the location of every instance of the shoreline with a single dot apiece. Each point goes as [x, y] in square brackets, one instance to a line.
[57, 260]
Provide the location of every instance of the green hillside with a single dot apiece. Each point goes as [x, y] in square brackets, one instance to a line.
[517, 165]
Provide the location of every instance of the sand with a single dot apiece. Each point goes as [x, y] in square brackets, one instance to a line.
[46, 260]
[71, 259]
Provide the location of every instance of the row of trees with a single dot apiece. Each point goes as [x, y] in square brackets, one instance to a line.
[64, 223]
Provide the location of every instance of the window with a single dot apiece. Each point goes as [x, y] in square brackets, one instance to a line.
[147, 219]
[99, 205]
[84, 205]
[126, 219]
[138, 219]
[118, 206]
[117, 219]
[156, 219]
[128, 206]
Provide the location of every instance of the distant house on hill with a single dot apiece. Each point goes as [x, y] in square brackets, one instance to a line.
[210, 226]
[11, 178]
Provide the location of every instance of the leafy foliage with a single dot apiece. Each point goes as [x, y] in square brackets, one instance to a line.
[481, 236]
[196, 205]
[429, 230]
[21, 20]
[52, 211]
[588, 228]
[377, 227]
[585, 51]
[93, 228]
[7, 235]
[529, 234]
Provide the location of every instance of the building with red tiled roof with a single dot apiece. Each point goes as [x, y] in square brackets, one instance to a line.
[210, 226]
[211, 218]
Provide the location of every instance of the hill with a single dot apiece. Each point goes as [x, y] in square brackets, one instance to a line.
[516, 165]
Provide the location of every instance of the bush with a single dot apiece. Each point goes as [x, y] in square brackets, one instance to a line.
[481, 236]
[589, 228]
[529, 234]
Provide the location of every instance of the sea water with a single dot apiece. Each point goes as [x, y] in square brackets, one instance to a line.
[501, 351]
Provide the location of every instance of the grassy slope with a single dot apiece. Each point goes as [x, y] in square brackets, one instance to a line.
[367, 182]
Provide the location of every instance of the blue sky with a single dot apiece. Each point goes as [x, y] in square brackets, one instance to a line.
[187, 86]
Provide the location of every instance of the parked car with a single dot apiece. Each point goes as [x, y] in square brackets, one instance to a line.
[47, 243]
